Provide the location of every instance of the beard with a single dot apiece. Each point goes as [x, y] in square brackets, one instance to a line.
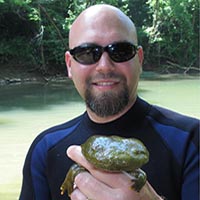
[107, 103]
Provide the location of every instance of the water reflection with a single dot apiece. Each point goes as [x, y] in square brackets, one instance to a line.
[36, 95]
[41, 96]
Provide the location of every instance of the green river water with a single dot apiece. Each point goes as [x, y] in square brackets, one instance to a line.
[28, 109]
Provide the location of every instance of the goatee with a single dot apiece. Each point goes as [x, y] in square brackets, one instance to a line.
[107, 103]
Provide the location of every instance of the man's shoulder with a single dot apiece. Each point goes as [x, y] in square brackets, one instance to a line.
[64, 126]
[174, 119]
[53, 135]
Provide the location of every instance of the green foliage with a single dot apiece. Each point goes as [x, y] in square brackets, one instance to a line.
[16, 49]
[173, 35]
[77, 6]
[37, 30]
[15, 32]
[34, 14]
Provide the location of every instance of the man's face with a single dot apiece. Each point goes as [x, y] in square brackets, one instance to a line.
[106, 94]
[106, 86]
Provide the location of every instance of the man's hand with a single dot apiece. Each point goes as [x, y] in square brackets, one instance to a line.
[101, 185]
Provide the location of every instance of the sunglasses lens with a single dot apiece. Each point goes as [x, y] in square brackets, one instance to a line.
[121, 52]
[86, 54]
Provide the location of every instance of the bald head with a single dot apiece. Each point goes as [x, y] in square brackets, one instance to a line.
[99, 22]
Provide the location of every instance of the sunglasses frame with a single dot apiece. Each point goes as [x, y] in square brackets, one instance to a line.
[87, 47]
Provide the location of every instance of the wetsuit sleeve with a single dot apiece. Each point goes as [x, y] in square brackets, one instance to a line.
[190, 186]
[35, 185]
[36, 180]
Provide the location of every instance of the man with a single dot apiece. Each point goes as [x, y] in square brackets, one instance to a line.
[105, 63]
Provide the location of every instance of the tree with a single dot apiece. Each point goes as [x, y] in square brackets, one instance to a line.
[44, 37]
[77, 6]
[168, 31]
[15, 31]
[173, 36]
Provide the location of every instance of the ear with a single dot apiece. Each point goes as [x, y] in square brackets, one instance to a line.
[68, 63]
[140, 54]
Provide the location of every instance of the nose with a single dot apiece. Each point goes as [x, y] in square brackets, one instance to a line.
[105, 63]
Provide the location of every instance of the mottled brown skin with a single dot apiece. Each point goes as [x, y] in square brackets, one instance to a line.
[113, 154]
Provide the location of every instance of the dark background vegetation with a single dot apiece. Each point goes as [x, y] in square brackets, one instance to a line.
[34, 33]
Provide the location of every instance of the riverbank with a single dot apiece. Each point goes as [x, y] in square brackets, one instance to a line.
[15, 74]
[19, 74]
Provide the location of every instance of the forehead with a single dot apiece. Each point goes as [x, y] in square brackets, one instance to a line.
[100, 36]
[101, 28]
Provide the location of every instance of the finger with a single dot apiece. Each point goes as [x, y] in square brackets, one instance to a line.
[78, 195]
[95, 189]
[74, 152]
[92, 187]
[114, 180]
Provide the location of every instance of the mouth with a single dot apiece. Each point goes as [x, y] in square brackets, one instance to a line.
[105, 84]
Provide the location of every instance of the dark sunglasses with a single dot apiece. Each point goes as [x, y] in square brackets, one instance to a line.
[88, 54]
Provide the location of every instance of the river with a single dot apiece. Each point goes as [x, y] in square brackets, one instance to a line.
[27, 109]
